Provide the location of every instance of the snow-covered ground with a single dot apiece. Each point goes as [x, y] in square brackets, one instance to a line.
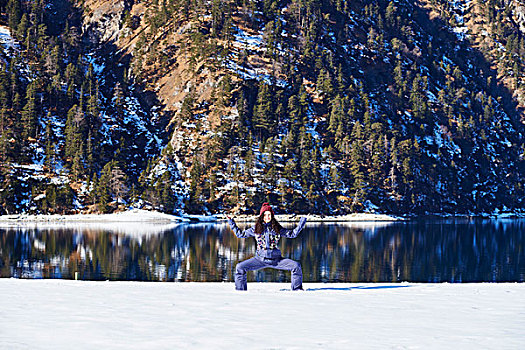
[152, 217]
[62, 314]
[5, 37]
[135, 215]
[138, 215]
[356, 217]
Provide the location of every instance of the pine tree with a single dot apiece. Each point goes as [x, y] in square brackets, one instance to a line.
[103, 195]
[195, 183]
[167, 198]
[212, 186]
[264, 120]
[418, 98]
[50, 146]
[118, 101]
[89, 161]
[29, 114]
[23, 26]
[51, 198]
[186, 111]
[378, 158]
[73, 133]
[306, 169]
[290, 171]
[335, 178]
[14, 11]
[336, 114]
[93, 189]
[357, 160]
[77, 166]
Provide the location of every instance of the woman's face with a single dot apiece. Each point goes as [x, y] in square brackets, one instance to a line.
[267, 216]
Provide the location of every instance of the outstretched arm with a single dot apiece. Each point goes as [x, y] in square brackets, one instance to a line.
[249, 232]
[293, 233]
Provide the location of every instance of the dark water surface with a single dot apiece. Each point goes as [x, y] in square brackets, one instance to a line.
[422, 251]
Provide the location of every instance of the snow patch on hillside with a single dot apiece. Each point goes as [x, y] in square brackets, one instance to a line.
[6, 39]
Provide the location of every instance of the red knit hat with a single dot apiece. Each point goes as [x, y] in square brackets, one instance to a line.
[266, 207]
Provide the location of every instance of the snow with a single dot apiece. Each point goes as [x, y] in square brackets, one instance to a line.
[97, 68]
[247, 41]
[133, 216]
[61, 314]
[6, 39]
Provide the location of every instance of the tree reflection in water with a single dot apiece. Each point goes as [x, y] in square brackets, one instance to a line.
[421, 251]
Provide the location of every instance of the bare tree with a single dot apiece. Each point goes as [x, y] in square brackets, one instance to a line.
[118, 183]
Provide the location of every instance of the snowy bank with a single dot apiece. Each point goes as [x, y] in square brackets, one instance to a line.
[134, 215]
[355, 217]
[138, 215]
[64, 314]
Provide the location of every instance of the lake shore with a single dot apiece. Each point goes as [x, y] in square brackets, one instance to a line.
[138, 215]
[62, 314]
[147, 216]
[134, 215]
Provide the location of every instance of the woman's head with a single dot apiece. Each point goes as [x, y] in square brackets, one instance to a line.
[266, 213]
[265, 207]
[266, 216]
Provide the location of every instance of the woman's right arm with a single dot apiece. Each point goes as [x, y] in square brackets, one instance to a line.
[249, 232]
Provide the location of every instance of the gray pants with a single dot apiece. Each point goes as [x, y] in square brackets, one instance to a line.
[257, 263]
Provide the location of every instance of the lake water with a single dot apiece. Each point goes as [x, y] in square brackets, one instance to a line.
[420, 251]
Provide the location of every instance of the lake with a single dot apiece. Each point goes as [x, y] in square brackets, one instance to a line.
[458, 250]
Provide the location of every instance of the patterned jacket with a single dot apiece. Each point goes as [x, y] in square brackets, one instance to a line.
[268, 240]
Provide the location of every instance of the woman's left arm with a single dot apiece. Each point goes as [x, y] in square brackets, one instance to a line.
[293, 233]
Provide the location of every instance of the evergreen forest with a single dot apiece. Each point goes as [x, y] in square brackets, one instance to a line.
[317, 106]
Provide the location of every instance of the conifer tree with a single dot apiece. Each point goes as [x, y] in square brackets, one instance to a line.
[357, 161]
[118, 101]
[51, 198]
[335, 178]
[77, 166]
[93, 189]
[264, 120]
[23, 26]
[186, 111]
[73, 134]
[29, 114]
[306, 169]
[14, 11]
[50, 146]
[103, 195]
[195, 191]
[290, 171]
[167, 199]
[336, 114]
[4, 147]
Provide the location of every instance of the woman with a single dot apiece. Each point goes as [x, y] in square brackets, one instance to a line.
[267, 232]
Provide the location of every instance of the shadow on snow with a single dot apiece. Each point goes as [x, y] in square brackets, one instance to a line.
[357, 287]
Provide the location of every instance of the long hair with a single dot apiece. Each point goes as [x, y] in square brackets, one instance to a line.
[259, 225]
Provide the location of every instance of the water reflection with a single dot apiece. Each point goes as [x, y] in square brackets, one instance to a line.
[423, 251]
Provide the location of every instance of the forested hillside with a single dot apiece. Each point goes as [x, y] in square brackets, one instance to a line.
[210, 106]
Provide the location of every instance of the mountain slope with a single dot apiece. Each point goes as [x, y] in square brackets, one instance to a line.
[317, 106]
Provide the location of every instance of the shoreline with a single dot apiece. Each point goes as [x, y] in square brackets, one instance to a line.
[146, 216]
[134, 215]
[355, 217]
